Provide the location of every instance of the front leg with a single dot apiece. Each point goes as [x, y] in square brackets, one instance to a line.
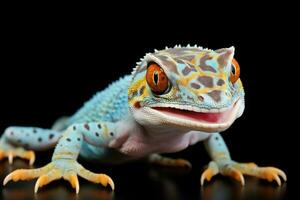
[222, 163]
[64, 164]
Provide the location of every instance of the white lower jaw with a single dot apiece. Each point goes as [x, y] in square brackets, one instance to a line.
[195, 124]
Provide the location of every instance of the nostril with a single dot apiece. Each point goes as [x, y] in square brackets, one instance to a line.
[137, 104]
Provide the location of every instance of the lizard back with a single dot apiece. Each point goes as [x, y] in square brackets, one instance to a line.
[110, 104]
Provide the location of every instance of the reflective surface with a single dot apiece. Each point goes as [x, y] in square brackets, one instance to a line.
[140, 181]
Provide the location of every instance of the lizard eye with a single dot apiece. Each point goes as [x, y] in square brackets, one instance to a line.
[157, 79]
[235, 73]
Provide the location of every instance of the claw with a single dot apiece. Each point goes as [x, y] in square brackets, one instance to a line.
[7, 178]
[206, 175]
[104, 180]
[19, 152]
[58, 169]
[169, 162]
[53, 174]
[10, 157]
[209, 172]
[183, 163]
[40, 183]
[72, 178]
[272, 173]
[74, 182]
[24, 174]
[236, 171]
[31, 157]
[280, 173]
[2, 154]
[237, 175]
[15, 176]
[277, 179]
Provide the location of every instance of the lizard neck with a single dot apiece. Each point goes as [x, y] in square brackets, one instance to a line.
[140, 141]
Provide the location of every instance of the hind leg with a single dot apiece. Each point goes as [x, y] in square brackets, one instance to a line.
[21, 141]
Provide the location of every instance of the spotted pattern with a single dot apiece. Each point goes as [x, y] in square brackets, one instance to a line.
[142, 90]
[204, 66]
[206, 81]
[51, 136]
[187, 70]
[220, 82]
[215, 95]
[195, 85]
[33, 138]
[198, 77]
[87, 127]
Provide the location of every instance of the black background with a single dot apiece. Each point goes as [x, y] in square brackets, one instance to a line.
[50, 65]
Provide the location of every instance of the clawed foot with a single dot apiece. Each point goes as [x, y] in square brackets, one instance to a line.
[236, 171]
[13, 152]
[66, 169]
[169, 162]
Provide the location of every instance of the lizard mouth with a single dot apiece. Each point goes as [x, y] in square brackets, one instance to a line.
[205, 117]
[198, 119]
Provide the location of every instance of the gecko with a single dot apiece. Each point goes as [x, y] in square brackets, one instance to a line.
[174, 98]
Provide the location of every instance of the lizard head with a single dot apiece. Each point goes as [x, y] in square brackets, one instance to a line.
[187, 87]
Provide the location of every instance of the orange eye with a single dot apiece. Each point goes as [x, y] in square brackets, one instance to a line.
[157, 79]
[235, 73]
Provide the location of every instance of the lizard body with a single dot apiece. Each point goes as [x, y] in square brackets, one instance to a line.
[174, 98]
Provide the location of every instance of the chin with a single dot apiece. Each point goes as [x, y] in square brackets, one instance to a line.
[189, 117]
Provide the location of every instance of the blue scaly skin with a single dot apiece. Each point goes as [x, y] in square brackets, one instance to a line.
[174, 98]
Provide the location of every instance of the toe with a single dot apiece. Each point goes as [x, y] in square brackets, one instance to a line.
[183, 163]
[277, 179]
[209, 172]
[53, 174]
[26, 174]
[103, 179]
[30, 156]
[20, 174]
[206, 175]
[237, 175]
[106, 180]
[42, 180]
[73, 180]
[18, 152]
[280, 173]
[271, 174]
[10, 157]
[2, 154]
